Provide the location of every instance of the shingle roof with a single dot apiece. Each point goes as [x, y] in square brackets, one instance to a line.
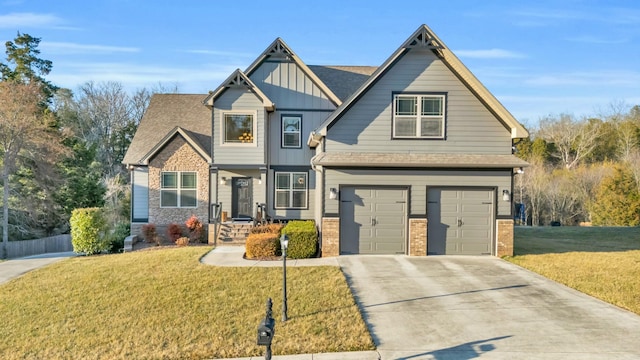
[165, 112]
[343, 80]
[352, 159]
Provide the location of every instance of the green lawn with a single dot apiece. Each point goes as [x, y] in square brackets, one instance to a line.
[603, 262]
[164, 304]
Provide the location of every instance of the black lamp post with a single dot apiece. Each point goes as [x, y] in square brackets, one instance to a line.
[284, 244]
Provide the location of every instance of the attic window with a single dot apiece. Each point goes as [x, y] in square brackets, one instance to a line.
[418, 116]
[238, 128]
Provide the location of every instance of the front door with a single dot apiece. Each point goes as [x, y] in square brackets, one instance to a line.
[241, 197]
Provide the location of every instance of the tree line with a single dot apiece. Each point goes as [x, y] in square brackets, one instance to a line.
[582, 170]
[60, 149]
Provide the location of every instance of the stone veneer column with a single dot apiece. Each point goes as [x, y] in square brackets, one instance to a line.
[505, 237]
[417, 237]
[330, 236]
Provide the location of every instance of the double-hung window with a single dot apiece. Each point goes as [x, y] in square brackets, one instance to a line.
[238, 128]
[178, 189]
[291, 190]
[419, 116]
[291, 128]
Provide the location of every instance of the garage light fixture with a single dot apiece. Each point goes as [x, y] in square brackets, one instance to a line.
[223, 181]
[505, 195]
[520, 170]
[333, 193]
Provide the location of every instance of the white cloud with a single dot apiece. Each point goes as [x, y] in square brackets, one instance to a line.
[597, 40]
[198, 79]
[73, 48]
[601, 78]
[489, 54]
[16, 20]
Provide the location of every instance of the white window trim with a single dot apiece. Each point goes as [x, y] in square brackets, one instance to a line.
[223, 139]
[178, 189]
[282, 144]
[419, 117]
[290, 190]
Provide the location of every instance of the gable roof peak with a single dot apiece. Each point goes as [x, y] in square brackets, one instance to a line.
[280, 49]
[239, 79]
[423, 38]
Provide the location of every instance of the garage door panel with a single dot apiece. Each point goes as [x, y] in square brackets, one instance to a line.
[376, 222]
[464, 221]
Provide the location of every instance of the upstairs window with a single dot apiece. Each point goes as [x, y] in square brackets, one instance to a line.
[291, 190]
[178, 189]
[238, 128]
[291, 128]
[418, 116]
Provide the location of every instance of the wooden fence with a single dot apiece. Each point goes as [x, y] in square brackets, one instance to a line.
[53, 244]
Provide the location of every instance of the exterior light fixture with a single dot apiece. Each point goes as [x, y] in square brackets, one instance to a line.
[333, 193]
[223, 181]
[505, 195]
[520, 170]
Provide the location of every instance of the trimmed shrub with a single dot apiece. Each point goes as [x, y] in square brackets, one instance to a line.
[87, 231]
[270, 228]
[196, 229]
[150, 233]
[183, 241]
[303, 239]
[262, 245]
[174, 232]
[117, 236]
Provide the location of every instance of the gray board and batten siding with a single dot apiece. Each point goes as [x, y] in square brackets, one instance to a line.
[470, 126]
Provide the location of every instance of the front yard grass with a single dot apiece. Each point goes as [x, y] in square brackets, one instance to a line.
[603, 262]
[165, 304]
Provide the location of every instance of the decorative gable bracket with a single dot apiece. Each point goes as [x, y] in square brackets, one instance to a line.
[279, 50]
[423, 38]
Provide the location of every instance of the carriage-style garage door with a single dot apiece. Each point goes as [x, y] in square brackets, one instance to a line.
[460, 221]
[373, 220]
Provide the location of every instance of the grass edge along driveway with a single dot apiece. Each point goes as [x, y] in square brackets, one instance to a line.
[166, 304]
[603, 262]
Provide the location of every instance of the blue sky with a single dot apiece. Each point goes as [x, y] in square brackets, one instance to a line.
[538, 58]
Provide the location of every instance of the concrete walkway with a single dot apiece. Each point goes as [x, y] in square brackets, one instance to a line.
[15, 268]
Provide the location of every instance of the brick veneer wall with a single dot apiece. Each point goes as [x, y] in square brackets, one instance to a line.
[178, 155]
[505, 237]
[330, 236]
[417, 237]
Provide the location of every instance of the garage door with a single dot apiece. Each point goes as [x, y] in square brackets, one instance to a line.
[460, 221]
[373, 220]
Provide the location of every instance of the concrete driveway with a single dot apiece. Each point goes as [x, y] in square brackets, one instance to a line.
[455, 307]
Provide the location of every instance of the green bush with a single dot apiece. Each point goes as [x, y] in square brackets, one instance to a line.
[262, 245]
[270, 228]
[117, 236]
[87, 231]
[303, 239]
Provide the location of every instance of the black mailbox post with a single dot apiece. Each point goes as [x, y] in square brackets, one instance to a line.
[266, 330]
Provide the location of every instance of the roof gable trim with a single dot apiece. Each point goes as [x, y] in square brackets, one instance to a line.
[168, 138]
[238, 80]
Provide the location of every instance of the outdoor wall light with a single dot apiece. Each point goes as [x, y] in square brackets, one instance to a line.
[505, 195]
[223, 181]
[520, 170]
[333, 193]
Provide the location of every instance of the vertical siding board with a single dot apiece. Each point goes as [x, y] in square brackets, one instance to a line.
[367, 126]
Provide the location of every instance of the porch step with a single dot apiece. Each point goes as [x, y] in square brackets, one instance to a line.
[234, 233]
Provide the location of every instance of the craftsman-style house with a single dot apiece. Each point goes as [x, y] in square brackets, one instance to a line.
[411, 157]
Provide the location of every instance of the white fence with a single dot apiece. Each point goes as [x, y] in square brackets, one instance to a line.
[53, 244]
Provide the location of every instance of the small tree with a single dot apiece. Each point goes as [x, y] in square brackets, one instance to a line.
[617, 201]
[87, 231]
